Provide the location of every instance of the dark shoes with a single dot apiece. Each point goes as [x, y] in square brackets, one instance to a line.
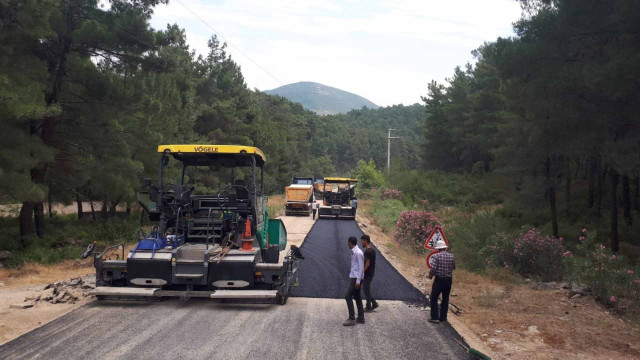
[349, 322]
[370, 308]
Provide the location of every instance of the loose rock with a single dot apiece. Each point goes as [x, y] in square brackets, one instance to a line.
[21, 306]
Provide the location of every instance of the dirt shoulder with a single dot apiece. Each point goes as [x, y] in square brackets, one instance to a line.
[506, 319]
[22, 286]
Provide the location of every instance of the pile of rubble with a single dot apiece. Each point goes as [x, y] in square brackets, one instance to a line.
[64, 292]
[573, 291]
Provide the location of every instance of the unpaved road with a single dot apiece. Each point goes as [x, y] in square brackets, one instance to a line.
[304, 328]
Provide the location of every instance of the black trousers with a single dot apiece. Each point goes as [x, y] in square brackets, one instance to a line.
[440, 286]
[366, 287]
[354, 294]
[314, 214]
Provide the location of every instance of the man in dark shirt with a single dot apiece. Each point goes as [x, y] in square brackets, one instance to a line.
[443, 264]
[369, 271]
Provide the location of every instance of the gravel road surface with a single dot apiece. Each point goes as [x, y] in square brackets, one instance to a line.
[301, 329]
[324, 271]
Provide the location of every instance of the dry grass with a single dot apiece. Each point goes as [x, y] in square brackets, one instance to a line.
[37, 274]
[276, 206]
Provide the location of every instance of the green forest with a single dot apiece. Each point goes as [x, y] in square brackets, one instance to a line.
[543, 124]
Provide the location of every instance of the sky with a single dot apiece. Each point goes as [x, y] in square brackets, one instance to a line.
[385, 51]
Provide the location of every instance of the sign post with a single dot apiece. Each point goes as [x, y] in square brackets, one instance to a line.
[430, 259]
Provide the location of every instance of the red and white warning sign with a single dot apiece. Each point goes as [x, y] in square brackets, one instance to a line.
[436, 235]
[430, 259]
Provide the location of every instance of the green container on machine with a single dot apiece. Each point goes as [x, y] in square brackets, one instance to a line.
[277, 234]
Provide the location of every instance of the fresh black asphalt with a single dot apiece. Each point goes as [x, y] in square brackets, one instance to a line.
[324, 272]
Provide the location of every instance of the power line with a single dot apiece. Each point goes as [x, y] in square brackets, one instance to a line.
[229, 42]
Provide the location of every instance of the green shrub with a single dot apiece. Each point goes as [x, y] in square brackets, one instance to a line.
[414, 227]
[611, 277]
[65, 238]
[367, 174]
[385, 214]
[447, 189]
[531, 254]
[471, 238]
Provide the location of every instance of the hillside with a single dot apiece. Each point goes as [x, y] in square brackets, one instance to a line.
[322, 99]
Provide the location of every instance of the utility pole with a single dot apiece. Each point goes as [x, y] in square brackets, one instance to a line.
[389, 137]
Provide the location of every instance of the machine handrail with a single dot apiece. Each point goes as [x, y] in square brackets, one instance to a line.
[178, 222]
[208, 229]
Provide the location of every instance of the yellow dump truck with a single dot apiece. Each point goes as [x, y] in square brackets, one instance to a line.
[298, 199]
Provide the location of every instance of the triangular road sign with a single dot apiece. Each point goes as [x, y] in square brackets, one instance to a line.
[432, 240]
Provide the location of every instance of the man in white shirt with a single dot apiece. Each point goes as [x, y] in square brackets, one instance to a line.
[355, 279]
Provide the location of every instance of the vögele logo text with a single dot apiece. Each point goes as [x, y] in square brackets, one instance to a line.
[205, 149]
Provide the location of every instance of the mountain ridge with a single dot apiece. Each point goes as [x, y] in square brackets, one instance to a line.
[322, 99]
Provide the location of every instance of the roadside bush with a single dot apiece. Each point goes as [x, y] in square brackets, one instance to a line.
[413, 228]
[385, 214]
[471, 238]
[611, 278]
[447, 189]
[66, 238]
[392, 194]
[530, 254]
[367, 174]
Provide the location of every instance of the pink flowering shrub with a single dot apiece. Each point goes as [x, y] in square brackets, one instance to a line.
[611, 278]
[531, 254]
[392, 194]
[414, 227]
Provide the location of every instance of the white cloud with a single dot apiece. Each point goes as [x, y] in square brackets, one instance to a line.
[386, 51]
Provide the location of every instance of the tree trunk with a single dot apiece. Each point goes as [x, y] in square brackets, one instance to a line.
[38, 213]
[128, 209]
[26, 218]
[49, 203]
[93, 210]
[552, 197]
[103, 211]
[602, 174]
[626, 199]
[592, 181]
[567, 184]
[615, 178]
[554, 211]
[79, 204]
[636, 193]
[114, 205]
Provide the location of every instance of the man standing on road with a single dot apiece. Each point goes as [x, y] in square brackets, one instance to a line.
[314, 208]
[442, 268]
[369, 270]
[355, 278]
[354, 205]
